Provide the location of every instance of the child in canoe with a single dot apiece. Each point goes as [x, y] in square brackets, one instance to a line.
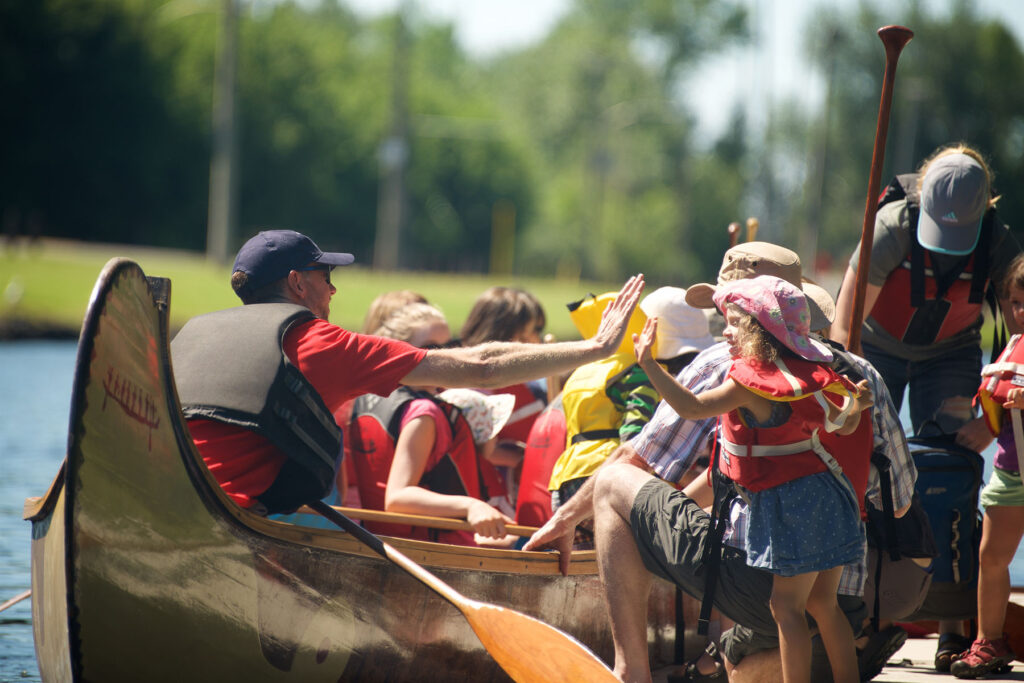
[804, 517]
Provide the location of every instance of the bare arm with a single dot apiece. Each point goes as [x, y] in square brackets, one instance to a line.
[404, 494]
[727, 396]
[700, 490]
[558, 531]
[844, 305]
[499, 364]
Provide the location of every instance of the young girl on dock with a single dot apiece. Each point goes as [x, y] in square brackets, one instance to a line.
[804, 517]
[1002, 399]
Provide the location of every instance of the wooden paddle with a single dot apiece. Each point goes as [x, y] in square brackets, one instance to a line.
[734, 234]
[527, 649]
[449, 523]
[752, 225]
[16, 599]
[894, 39]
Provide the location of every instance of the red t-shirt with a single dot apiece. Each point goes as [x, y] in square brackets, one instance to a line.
[340, 365]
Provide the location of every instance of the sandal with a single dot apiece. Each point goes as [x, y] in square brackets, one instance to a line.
[879, 648]
[985, 656]
[951, 646]
[691, 674]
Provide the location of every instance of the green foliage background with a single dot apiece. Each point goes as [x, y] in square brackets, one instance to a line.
[587, 137]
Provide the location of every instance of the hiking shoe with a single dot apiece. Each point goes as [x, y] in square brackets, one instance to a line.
[985, 656]
[951, 645]
[879, 648]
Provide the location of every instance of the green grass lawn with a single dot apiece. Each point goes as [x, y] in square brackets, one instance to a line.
[49, 284]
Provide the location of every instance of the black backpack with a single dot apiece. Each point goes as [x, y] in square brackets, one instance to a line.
[949, 479]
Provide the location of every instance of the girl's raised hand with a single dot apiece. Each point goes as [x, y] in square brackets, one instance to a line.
[865, 399]
[643, 343]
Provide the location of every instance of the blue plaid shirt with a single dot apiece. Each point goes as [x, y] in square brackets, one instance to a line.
[671, 445]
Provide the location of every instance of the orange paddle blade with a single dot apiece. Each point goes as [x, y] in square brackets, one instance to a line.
[531, 651]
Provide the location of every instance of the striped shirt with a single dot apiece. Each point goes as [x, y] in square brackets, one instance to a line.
[635, 397]
[671, 445]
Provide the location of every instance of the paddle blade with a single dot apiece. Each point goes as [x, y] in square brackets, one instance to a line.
[531, 651]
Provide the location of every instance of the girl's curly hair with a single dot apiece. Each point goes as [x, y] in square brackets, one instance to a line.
[753, 340]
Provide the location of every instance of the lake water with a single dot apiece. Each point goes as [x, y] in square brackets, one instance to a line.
[35, 397]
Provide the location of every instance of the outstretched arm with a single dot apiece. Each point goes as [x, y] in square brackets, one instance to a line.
[499, 364]
[557, 533]
[717, 401]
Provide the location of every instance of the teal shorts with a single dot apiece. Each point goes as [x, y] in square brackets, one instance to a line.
[1003, 489]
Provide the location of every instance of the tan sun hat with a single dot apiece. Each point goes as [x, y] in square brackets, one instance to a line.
[485, 413]
[751, 259]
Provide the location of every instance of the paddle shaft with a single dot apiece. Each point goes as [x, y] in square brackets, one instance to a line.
[529, 650]
[16, 599]
[894, 38]
[423, 520]
[390, 553]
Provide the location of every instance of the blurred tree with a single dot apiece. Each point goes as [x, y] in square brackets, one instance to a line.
[598, 100]
[953, 82]
[94, 147]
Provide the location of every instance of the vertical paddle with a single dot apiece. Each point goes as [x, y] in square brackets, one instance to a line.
[894, 38]
[529, 650]
[752, 225]
[734, 234]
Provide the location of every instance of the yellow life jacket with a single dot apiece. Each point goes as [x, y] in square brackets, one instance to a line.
[591, 418]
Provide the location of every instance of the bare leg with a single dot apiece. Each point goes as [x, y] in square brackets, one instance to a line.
[626, 581]
[759, 667]
[836, 634]
[1001, 533]
[789, 605]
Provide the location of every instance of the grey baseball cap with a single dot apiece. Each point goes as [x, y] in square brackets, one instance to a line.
[954, 197]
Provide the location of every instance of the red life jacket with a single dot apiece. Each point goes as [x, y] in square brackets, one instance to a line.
[805, 385]
[370, 439]
[543, 446]
[997, 378]
[915, 305]
[527, 409]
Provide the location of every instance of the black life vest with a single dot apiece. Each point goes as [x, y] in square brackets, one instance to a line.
[229, 366]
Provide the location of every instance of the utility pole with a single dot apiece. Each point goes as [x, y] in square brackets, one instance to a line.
[393, 157]
[222, 217]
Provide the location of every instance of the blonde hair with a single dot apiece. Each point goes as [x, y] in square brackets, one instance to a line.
[957, 148]
[753, 341]
[403, 323]
[386, 304]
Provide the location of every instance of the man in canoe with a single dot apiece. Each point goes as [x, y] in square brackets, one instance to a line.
[258, 383]
[645, 527]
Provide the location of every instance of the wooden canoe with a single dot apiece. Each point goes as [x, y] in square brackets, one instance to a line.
[143, 570]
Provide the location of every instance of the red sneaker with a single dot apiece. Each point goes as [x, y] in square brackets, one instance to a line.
[985, 656]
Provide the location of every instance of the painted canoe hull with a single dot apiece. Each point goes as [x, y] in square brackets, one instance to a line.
[143, 570]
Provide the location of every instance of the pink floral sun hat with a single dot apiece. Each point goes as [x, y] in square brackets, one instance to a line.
[781, 309]
[485, 413]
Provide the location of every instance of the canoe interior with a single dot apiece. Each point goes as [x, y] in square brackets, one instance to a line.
[143, 570]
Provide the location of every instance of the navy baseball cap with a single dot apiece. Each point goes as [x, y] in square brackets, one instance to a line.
[271, 254]
[954, 198]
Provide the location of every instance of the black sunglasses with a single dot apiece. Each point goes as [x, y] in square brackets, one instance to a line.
[320, 266]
